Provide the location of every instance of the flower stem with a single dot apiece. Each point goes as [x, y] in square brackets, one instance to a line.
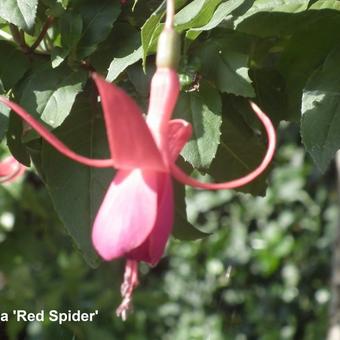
[170, 13]
[168, 49]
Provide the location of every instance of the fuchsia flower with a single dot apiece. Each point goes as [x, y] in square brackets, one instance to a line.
[10, 170]
[141, 192]
[135, 219]
[136, 216]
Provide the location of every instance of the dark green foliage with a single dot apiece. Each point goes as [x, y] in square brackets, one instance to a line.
[283, 55]
[264, 273]
[268, 51]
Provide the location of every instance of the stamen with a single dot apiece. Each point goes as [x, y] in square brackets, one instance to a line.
[129, 284]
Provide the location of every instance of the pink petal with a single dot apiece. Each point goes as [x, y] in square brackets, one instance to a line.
[163, 225]
[179, 131]
[152, 249]
[130, 140]
[127, 214]
[10, 169]
[8, 166]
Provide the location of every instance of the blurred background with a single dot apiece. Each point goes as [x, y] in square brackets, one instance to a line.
[263, 273]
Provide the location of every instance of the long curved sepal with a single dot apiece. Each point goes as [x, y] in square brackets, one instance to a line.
[181, 176]
[53, 140]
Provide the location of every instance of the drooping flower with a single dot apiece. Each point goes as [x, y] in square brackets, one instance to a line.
[141, 192]
[10, 170]
[136, 216]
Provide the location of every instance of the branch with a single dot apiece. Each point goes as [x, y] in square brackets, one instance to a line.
[42, 34]
[19, 38]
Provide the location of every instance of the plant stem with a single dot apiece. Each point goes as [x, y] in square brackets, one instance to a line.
[19, 38]
[170, 13]
[42, 34]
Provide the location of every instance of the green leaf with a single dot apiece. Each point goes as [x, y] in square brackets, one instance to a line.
[149, 28]
[4, 114]
[141, 82]
[77, 190]
[182, 229]
[284, 23]
[14, 140]
[240, 150]
[307, 48]
[225, 62]
[269, 24]
[127, 52]
[58, 55]
[70, 27]
[271, 93]
[321, 112]
[189, 13]
[203, 111]
[278, 21]
[34, 150]
[13, 65]
[49, 93]
[55, 7]
[325, 4]
[195, 14]
[19, 13]
[284, 6]
[221, 13]
[98, 20]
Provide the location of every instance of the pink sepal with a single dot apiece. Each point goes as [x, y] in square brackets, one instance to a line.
[130, 140]
[239, 182]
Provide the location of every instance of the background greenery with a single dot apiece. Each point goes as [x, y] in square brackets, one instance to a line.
[264, 271]
[263, 274]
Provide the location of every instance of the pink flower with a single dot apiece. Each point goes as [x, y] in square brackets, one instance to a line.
[10, 170]
[135, 219]
[136, 216]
